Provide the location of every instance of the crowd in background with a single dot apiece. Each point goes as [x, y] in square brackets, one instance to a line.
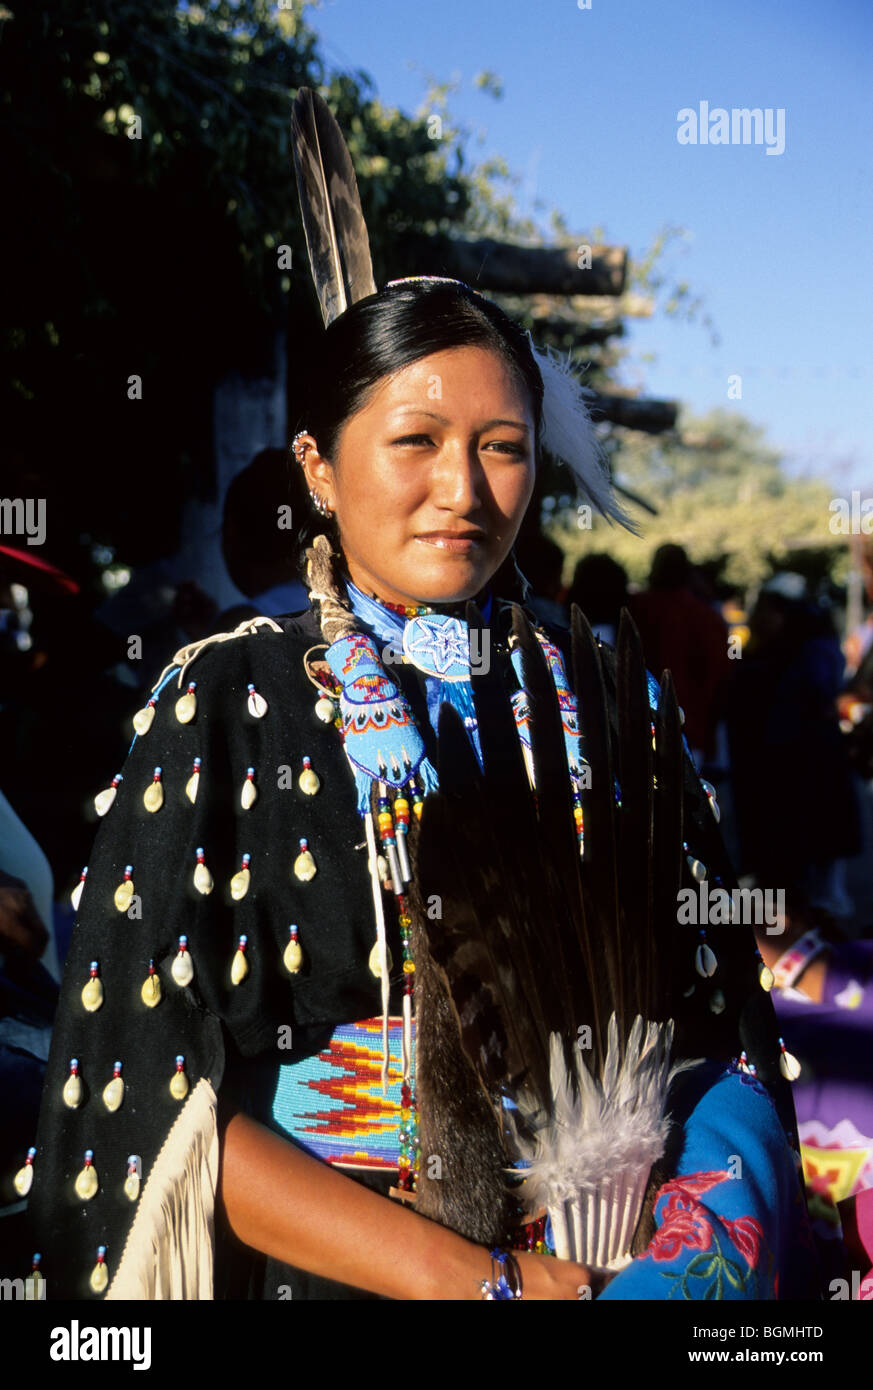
[778, 711]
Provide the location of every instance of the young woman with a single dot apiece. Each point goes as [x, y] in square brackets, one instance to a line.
[241, 978]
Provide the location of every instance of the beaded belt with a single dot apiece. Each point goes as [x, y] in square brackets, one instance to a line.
[332, 1104]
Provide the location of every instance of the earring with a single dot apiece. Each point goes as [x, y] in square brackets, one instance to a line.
[299, 449]
[319, 504]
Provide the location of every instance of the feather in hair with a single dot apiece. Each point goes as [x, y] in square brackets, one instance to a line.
[336, 234]
[569, 435]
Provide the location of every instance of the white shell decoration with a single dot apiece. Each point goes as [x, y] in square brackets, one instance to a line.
[202, 877]
[153, 796]
[186, 706]
[325, 708]
[72, 1092]
[239, 884]
[92, 994]
[711, 798]
[193, 783]
[179, 1083]
[766, 978]
[24, 1177]
[99, 1280]
[257, 704]
[304, 864]
[103, 800]
[123, 894]
[151, 991]
[142, 720]
[113, 1093]
[76, 895]
[239, 966]
[717, 1002]
[131, 1186]
[308, 781]
[182, 968]
[292, 958]
[705, 962]
[698, 870]
[373, 961]
[87, 1183]
[789, 1065]
[249, 793]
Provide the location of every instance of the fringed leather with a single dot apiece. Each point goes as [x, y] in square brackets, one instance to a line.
[169, 1253]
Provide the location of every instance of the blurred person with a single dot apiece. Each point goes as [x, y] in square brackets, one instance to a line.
[682, 634]
[600, 589]
[541, 561]
[785, 741]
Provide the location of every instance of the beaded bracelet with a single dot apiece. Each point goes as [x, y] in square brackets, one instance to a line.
[500, 1287]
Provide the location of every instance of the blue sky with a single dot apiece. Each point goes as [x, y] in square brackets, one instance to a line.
[778, 246]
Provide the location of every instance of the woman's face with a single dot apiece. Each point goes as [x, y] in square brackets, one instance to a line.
[432, 477]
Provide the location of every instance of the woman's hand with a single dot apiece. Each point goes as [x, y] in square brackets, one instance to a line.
[544, 1277]
[292, 1206]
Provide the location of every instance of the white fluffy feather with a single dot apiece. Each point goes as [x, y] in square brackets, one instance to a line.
[601, 1139]
[569, 436]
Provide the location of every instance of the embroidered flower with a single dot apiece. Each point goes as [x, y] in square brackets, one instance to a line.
[682, 1227]
[746, 1234]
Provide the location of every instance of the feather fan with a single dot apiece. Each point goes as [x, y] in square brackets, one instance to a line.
[559, 964]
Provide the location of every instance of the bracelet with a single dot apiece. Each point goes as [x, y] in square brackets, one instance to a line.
[507, 1284]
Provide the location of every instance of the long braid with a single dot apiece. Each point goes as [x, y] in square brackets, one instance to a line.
[326, 589]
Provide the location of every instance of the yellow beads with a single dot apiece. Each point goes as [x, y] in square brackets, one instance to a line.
[408, 967]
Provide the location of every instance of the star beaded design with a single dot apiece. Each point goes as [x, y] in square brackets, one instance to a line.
[436, 643]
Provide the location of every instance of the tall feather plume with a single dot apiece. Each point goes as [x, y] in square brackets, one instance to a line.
[336, 234]
[536, 940]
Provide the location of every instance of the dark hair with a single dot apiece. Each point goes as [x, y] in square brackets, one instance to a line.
[388, 331]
